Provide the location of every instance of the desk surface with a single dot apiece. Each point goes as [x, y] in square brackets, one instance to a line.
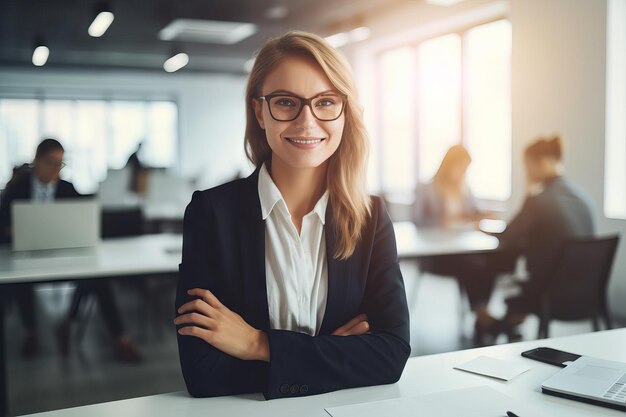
[422, 375]
[148, 254]
[414, 243]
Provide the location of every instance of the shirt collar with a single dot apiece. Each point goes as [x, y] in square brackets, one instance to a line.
[269, 195]
[49, 187]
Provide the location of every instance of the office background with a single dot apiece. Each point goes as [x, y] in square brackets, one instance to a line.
[558, 84]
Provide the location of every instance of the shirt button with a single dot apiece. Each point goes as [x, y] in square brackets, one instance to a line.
[284, 389]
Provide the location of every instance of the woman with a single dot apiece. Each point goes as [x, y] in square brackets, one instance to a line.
[289, 282]
[554, 210]
[447, 201]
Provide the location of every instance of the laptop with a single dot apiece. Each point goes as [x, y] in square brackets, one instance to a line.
[71, 223]
[593, 380]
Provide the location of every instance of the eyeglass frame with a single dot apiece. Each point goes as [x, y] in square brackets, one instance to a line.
[56, 165]
[304, 102]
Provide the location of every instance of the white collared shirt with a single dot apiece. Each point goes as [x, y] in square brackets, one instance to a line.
[295, 265]
[43, 193]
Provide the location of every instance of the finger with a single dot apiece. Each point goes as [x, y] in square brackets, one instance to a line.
[197, 305]
[196, 332]
[361, 328]
[194, 319]
[356, 320]
[207, 296]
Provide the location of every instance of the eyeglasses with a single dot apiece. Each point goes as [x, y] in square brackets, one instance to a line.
[325, 107]
[51, 163]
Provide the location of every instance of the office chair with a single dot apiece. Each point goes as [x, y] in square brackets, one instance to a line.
[578, 285]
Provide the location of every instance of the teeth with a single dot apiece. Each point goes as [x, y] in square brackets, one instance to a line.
[305, 141]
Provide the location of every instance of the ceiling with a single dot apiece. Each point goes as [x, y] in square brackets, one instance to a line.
[132, 41]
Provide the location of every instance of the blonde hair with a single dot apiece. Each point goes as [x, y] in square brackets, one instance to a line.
[345, 179]
[455, 156]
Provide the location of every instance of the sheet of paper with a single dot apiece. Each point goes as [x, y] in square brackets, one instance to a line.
[495, 368]
[470, 402]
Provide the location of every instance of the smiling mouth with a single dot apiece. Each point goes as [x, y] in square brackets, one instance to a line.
[305, 141]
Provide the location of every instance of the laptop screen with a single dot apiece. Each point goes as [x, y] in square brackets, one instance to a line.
[56, 225]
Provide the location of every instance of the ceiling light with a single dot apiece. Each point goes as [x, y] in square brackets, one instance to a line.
[100, 24]
[104, 18]
[176, 62]
[40, 55]
[443, 2]
[343, 38]
[210, 31]
[277, 11]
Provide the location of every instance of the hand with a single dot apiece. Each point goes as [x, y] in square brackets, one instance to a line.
[208, 319]
[356, 326]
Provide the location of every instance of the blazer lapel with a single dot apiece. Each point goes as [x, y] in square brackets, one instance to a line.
[338, 279]
[251, 234]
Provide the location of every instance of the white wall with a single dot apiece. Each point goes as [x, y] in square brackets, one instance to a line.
[210, 107]
[558, 85]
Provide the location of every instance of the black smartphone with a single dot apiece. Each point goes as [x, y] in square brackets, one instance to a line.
[551, 356]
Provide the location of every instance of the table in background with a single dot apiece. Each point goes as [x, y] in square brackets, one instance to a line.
[147, 255]
[414, 243]
[425, 374]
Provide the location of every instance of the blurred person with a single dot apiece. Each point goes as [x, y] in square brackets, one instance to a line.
[41, 182]
[138, 172]
[554, 210]
[447, 201]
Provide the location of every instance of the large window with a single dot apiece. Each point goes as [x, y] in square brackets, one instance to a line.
[96, 135]
[450, 89]
[615, 150]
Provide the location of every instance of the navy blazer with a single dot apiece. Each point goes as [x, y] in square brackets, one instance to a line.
[224, 252]
[21, 188]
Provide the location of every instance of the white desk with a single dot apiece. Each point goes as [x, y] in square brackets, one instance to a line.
[161, 253]
[134, 256]
[416, 243]
[422, 375]
[148, 254]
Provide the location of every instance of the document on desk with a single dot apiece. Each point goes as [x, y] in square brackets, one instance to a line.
[495, 368]
[480, 401]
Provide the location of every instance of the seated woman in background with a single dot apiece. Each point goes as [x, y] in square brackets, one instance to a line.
[447, 201]
[289, 282]
[555, 209]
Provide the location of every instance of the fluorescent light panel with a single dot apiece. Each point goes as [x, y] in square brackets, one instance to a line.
[443, 2]
[343, 38]
[40, 55]
[100, 24]
[176, 62]
[208, 31]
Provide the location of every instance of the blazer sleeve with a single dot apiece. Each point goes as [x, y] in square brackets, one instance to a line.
[208, 371]
[516, 233]
[304, 365]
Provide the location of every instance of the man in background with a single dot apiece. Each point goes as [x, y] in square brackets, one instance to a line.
[38, 182]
